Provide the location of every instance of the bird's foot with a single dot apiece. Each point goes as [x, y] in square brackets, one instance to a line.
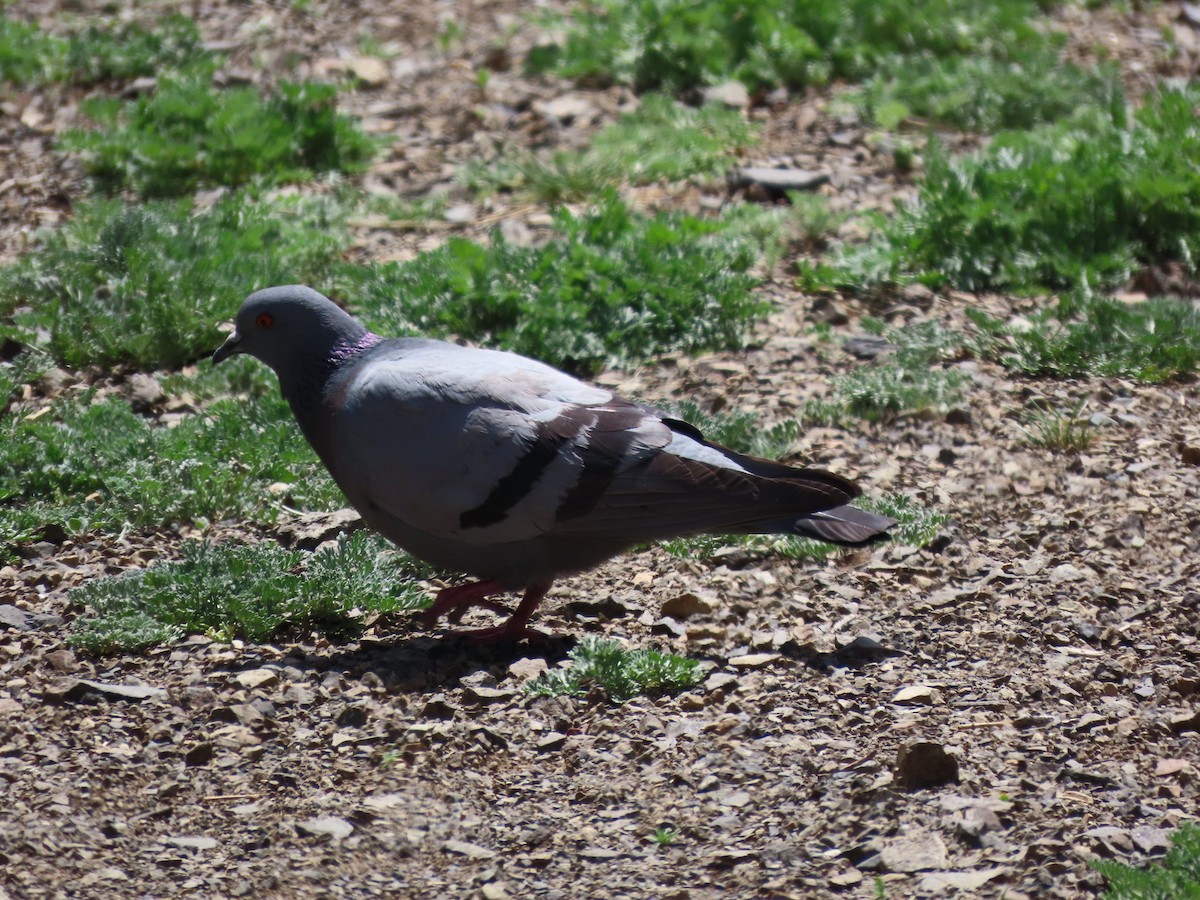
[452, 602]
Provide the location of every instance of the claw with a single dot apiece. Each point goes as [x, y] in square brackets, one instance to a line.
[452, 602]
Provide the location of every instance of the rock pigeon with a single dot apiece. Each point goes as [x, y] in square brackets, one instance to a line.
[500, 466]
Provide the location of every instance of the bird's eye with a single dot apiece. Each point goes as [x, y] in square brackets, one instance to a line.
[264, 320]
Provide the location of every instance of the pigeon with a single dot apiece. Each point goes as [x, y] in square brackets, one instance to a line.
[496, 465]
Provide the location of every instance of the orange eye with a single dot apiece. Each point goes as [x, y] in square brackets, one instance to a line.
[264, 320]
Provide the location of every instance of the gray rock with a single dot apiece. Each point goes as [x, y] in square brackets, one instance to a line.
[778, 180]
[74, 691]
[11, 617]
[332, 826]
[192, 843]
[732, 94]
[469, 850]
[307, 531]
[869, 347]
[145, 393]
[917, 851]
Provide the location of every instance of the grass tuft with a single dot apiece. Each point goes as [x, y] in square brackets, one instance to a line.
[665, 836]
[30, 56]
[148, 284]
[1177, 878]
[1085, 202]
[1088, 335]
[252, 591]
[613, 286]
[739, 430]
[676, 44]
[1058, 429]
[97, 466]
[661, 140]
[1020, 87]
[883, 391]
[971, 64]
[909, 380]
[188, 134]
[621, 673]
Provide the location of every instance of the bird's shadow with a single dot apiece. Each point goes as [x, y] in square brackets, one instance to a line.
[424, 663]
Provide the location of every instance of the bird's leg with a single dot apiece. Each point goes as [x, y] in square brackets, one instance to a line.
[458, 599]
[517, 627]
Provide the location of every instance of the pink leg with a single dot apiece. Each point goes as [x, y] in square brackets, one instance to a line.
[517, 627]
[458, 599]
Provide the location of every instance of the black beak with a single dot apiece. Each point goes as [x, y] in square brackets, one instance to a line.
[229, 348]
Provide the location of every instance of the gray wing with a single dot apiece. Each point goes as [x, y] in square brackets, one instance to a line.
[479, 446]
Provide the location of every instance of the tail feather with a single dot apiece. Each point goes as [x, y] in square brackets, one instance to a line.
[845, 525]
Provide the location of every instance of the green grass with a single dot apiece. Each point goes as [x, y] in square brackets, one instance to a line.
[251, 591]
[1020, 87]
[909, 380]
[1087, 335]
[810, 222]
[664, 836]
[1059, 429]
[620, 673]
[94, 465]
[884, 391]
[1086, 202]
[916, 527]
[30, 56]
[1177, 878]
[188, 134]
[147, 285]
[660, 141]
[612, 286]
[974, 64]
[26, 367]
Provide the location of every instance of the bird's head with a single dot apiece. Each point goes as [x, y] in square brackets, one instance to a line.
[289, 327]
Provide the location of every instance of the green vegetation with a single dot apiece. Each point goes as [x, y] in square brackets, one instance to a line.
[679, 44]
[883, 391]
[148, 284]
[909, 380]
[188, 134]
[614, 286]
[1081, 203]
[916, 527]
[244, 590]
[621, 673]
[1087, 335]
[96, 465]
[1178, 878]
[974, 64]
[1059, 429]
[30, 56]
[661, 140]
[1021, 87]
[810, 221]
[665, 836]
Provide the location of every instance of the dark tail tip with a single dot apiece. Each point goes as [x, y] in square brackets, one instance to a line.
[847, 525]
